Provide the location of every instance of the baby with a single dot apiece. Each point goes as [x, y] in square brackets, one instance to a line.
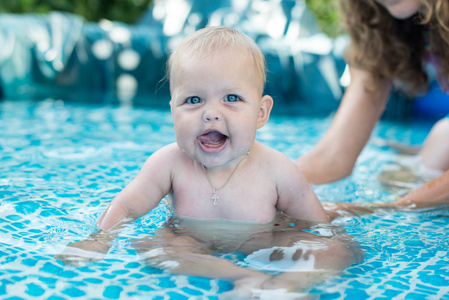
[216, 171]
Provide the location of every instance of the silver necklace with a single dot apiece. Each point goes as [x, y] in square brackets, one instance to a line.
[215, 189]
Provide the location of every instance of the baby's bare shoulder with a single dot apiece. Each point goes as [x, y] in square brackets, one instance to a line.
[275, 159]
[166, 158]
[168, 152]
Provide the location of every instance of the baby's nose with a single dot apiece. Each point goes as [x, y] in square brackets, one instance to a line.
[211, 113]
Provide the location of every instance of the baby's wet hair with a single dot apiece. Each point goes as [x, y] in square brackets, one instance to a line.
[210, 40]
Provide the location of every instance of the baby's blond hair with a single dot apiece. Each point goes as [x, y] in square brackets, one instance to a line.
[209, 40]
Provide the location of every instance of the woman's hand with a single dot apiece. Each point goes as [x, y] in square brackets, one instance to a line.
[433, 193]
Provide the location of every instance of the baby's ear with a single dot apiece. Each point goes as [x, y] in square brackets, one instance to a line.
[266, 104]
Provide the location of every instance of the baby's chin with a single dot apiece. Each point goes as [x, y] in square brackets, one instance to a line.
[222, 161]
[212, 163]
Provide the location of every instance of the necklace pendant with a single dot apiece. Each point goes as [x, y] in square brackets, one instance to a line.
[215, 198]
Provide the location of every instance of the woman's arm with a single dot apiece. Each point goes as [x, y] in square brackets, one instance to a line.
[335, 155]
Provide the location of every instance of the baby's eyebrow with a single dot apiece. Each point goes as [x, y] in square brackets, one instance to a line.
[232, 91]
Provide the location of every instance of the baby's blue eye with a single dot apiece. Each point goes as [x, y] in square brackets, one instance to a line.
[232, 98]
[193, 100]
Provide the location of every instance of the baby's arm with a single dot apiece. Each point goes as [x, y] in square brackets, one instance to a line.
[297, 199]
[140, 196]
[144, 192]
[295, 196]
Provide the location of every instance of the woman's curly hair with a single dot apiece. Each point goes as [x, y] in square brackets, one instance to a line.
[394, 49]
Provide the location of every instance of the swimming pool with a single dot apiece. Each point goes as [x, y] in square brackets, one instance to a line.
[62, 163]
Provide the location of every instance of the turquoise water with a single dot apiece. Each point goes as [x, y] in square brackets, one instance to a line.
[61, 164]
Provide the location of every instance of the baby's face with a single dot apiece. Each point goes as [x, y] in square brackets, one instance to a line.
[401, 9]
[216, 107]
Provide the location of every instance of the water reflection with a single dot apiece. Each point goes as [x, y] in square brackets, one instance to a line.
[287, 254]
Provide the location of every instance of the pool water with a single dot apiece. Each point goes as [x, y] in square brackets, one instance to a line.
[62, 163]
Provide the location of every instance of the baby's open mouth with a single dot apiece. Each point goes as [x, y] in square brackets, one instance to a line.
[212, 139]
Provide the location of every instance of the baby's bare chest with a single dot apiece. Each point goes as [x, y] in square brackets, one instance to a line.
[244, 198]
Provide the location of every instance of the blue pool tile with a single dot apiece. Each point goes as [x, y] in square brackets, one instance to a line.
[48, 280]
[416, 296]
[120, 272]
[191, 292]
[351, 276]
[13, 217]
[86, 269]
[77, 283]
[13, 250]
[405, 280]
[18, 278]
[424, 257]
[391, 250]
[224, 285]
[398, 285]
[136, 275]
[414, 243]
[12, 271]
[432, 279]
[403, 272]
[68, 274]
[29, 262]
[358, 285]
[200, 282]
[108, 276]
[176, 296]
[34, 290]
[93, 280]
[73, 292]
[6, 282]
[144, 288]
[356, 270]
[356, 294]
[373, 265]
[27, 207]
[47, 214]
[166, 282]
[51, 268]
[19, 225]
[9, 228]
[40, 257]
[392, 293]
[2, 288]
[53, 297]
[330, 296]
[151, 270]
[112, 292]
[426, 292]
[427, 288]
[132, 265]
